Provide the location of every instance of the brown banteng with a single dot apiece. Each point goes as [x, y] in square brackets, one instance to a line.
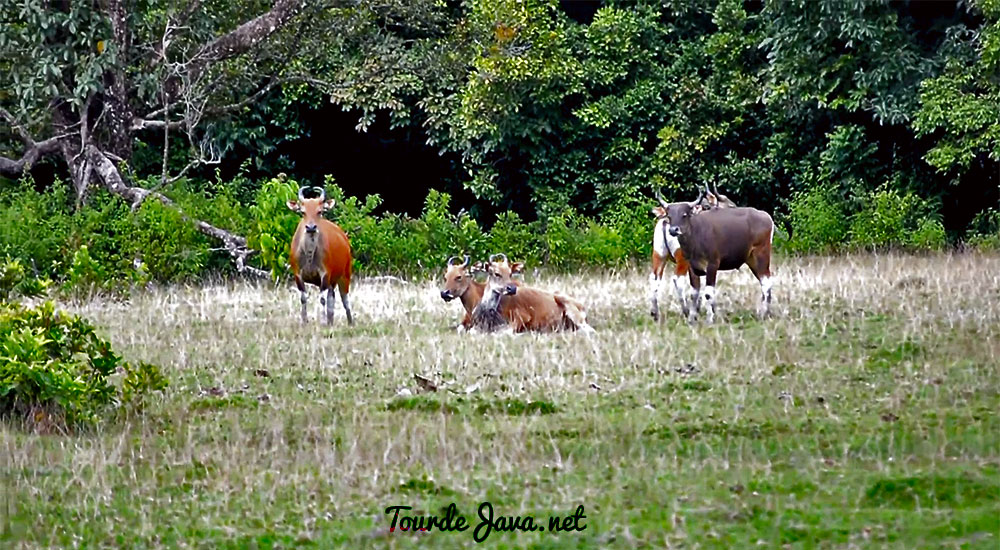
[320, 253]
[723, 239]
[459, 283]
[666, 248]
[521, 307]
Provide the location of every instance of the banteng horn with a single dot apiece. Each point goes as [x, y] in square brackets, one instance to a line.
[661, 200]
[302, 192]
[493, 257]
[322, 193]
[455, 259]
[701, 195]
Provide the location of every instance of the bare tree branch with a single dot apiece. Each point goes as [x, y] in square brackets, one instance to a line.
[15, 168]
[144, 124]
[245, 37]
[235, 245]
[21, 132]
[34, 150]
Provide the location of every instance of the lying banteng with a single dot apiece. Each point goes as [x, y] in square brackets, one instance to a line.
[667, 248]
[723, 239]
[521, 307]
[460, 283]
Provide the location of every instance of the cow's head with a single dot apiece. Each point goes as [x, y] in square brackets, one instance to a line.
[457, 278]
[500, 275]
[679, 217]
[311, 209]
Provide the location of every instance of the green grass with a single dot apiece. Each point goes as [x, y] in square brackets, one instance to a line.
[863, 414]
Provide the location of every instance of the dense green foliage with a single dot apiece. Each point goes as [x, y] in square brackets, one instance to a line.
[55, 372]
[105, 246]
[857, 124]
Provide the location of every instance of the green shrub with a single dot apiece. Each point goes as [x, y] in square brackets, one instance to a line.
[103, 243]
[15, 282]
[516, 239]
[557, 240]
[448, 235]
[889, 218]
[984, 231]
[274, 224]
[599, 245]
[818, 220]
[929, 235]
[169, 246]
[35, 227]
[54, 368]
[103, 226]
[633, 225]
[84, 273]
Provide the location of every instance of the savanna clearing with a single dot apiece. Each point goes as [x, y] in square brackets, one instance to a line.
[864, 414]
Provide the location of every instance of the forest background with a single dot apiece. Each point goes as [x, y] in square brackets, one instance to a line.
[158, 141]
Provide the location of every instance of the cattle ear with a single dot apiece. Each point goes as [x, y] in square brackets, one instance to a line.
[328, 205]
[294, 206]
[517, 267]
[658, 211]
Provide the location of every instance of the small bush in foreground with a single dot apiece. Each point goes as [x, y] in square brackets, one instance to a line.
[55, 369]
[15, 282]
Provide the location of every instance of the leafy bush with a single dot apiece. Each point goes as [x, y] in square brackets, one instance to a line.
[515, 238]
[14, 281]
[55, 370]
[818, 220]
[103, 243]
[274, 224]
[929, 235]
[889, 218]
[984, 231]
[167, 243]
[35, 227]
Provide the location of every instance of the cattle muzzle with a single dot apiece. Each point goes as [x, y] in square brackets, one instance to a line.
[447, 296]
[311, 228]
[675, 231]
[510, 290]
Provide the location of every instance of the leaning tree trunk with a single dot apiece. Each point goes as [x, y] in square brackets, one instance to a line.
[95, 137]
[107, 173]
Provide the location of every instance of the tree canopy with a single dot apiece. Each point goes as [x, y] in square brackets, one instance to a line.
[543, 106]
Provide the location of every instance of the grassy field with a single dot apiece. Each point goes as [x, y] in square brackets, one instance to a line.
[863, 415]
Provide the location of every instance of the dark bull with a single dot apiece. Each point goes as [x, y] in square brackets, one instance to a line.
[722, 240]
